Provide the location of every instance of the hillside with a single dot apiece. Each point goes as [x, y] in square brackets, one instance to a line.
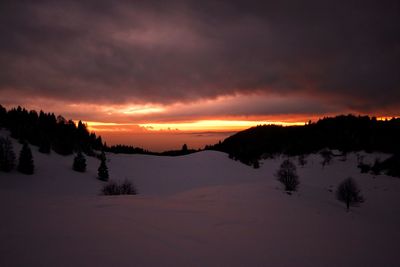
[345, 133]
[201, 209]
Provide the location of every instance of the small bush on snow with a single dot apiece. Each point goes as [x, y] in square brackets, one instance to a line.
[287, 175]
[349, 193]
[112, 188]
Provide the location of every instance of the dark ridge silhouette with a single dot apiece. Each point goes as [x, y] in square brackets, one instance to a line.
[175, 153]
[345, 133]
[125, 149]
[47, 131]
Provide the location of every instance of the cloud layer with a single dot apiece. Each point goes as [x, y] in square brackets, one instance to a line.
[342, 53]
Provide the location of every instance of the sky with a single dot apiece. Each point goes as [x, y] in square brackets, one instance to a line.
[157, 74]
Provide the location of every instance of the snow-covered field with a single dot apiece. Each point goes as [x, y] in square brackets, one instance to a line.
[197, 210]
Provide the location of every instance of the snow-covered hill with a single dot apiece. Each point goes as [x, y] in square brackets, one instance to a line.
[197, 210]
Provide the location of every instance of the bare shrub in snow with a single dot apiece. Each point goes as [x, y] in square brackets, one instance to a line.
[349, 193]
[326, 157]
[376, 168]
[302, 160]
[287, 175]
[127, 188]
[113, 188]
[256, 164]
[364, 168]
[110, 189]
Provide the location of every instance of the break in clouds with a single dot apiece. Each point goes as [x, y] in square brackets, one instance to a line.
[345, 53]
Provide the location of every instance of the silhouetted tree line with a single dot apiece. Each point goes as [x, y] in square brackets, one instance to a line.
[49, 132]
[345, 133]
[125, 149]
[7, 157]
[174, 153]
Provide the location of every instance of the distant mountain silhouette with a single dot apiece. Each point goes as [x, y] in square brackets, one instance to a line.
[345, 133]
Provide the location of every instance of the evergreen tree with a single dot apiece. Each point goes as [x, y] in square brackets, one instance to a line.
[79, 162]
[44, 146]
[25, 164]
[7, 155]
[184, 148]
[102, 171]
[2, 141]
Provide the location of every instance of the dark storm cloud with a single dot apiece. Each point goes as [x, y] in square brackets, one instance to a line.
[177, 51]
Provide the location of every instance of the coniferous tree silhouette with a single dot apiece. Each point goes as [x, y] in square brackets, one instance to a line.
[7, 155]
[44, 145]
[184, 148]
[349, 193]
[79, 164]
[2, 140]
[102, 171]
[287, 175]
[48, 131]
[25, 163]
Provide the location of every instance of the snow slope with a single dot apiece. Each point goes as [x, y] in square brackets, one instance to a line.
[197, 210]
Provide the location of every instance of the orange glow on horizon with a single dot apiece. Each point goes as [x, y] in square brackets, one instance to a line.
[195, 126]
[169, 136]
[160, 136]
[387, 118]
[205, 125]
[212, 125]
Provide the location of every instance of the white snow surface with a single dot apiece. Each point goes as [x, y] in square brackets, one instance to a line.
[197, 210]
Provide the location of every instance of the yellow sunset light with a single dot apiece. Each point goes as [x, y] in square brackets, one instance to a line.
[212, 125]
